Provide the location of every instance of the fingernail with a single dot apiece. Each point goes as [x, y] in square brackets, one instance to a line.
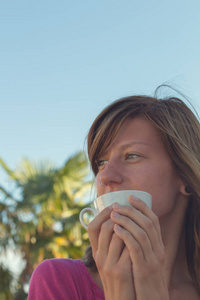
[115, 215]
[117, 227]
[134, 198]
[116, 205]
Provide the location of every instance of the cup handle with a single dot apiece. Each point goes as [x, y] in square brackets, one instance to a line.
[83, 211]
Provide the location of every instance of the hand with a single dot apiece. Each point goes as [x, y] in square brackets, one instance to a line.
[112, 258]
[138, 227]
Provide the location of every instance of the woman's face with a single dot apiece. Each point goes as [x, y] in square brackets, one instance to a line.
[137, 160]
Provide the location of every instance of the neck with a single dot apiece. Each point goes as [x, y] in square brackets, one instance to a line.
[173, 234]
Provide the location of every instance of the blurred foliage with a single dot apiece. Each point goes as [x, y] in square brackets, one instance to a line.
[41, 216]
[6, 278]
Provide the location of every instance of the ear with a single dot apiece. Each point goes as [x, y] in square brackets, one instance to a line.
[185, 190]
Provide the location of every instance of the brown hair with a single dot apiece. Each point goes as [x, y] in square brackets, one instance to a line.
[180, 129]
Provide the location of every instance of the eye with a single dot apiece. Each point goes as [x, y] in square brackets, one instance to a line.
[101, 162]
[131, 156]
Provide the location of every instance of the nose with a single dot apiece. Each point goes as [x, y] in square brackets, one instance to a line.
[111, 174]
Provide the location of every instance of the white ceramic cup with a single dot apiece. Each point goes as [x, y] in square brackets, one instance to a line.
[108, 199]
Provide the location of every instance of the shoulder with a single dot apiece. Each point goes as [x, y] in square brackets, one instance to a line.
[57, 277]
[59, 267]
[56, 263]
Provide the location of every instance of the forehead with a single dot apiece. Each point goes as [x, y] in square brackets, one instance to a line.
[138, 131]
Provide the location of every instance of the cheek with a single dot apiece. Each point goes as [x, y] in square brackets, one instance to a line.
[165, 191]
[162, 183]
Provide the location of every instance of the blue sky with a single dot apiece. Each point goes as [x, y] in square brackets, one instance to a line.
[61, 62]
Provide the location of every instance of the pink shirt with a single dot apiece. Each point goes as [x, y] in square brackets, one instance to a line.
[63, 279]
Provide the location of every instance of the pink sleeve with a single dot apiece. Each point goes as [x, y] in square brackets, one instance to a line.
[47, 283]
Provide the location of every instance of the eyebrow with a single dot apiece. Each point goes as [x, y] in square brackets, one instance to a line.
[127, 145]
[122, 147]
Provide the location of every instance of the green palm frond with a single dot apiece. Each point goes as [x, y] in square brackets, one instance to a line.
[7, 169]
[7, 195]
[27, 170]
[76, 167]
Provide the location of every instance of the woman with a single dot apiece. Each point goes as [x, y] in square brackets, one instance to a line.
[148, 144]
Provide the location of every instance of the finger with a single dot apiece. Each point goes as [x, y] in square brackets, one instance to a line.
[144, 217]
[141, 228]
[125, 263]
[105, 237]
[136, 233]
[144, 209]
[94, 226]
[115, 248]
[125, 256]
[134, 248]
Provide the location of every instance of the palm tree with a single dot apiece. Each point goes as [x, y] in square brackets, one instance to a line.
[44, 219]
